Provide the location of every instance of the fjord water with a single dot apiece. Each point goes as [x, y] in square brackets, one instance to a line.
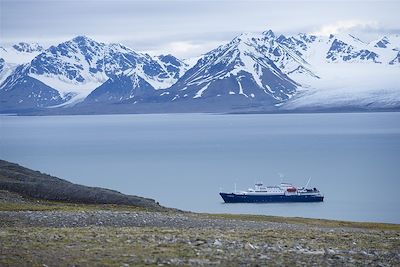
[183, 160]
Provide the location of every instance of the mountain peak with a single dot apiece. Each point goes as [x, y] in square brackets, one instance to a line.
[269, 34]
[243, 37]
[28, 47]
[82, 39]
[168, 58]
[117, 47]
[383, 42]
[309, 38]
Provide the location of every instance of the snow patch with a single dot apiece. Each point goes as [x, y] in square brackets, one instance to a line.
[200, 92]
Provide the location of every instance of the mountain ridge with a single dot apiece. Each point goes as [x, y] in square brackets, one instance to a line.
[274, 72]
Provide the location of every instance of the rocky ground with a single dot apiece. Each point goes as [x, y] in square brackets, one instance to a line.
[41, 233]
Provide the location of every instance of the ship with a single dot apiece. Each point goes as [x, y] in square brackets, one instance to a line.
[285, 192]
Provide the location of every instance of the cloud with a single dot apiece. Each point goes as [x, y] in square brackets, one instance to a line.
[185, 49]
[345, 26]
[189, 27]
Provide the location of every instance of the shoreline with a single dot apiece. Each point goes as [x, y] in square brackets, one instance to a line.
[36, 204]
[24, 204]
[281, 112]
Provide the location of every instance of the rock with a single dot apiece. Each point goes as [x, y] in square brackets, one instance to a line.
[199, 242]
[217, 243]
[249, 246]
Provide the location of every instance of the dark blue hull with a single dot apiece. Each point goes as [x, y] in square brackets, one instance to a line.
[235, 198]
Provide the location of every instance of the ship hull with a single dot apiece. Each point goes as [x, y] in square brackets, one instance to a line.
[239, 198]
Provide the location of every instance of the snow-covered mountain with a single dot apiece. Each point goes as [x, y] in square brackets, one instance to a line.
[20, 92]
[139, 82]
[13, 56]
[77, 67]
[251, 66]
[265, 70]
[28, 47]
[121, 87]
[304, 71]
[352, 73]
[20, 53]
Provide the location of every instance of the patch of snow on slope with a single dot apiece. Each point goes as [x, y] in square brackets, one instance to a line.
[249, 65]
[67, 87]
[240, 88]
[12, 56]
[153, 81]
[6, 71]
[200, 92]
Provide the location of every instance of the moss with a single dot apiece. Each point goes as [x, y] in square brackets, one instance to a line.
[113, 246]
[307, 221]
[327, 242]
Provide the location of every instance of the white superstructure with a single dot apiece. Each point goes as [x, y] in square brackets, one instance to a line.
[285, 189]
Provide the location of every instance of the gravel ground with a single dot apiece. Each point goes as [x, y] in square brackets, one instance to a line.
[39, 233]
[135, 219]
[116, 238]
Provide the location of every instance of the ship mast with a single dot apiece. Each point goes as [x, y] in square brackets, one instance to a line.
[309, 179]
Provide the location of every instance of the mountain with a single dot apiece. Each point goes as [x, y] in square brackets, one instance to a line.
[140, 81]
[391, 41]
[349, 49]
[309, 72]
[20, 53]
[395, 60]
[254, 72]
[175, 67]
[122, 87]
[22, 92]
[241, 68]
[80, 65]
[27, 47]
[77, 67]
[352, 74]
[13, 56]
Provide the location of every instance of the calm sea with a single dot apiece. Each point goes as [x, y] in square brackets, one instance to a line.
[183, 160]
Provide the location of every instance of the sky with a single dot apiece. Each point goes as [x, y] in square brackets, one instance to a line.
[188, 28]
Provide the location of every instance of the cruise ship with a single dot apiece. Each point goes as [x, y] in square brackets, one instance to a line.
[285, 192]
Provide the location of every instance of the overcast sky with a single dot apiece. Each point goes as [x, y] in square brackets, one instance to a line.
[188, 28]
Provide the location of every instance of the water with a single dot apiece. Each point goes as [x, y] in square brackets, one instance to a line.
[182, 160]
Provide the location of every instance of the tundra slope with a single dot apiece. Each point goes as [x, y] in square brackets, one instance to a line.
[34, 184]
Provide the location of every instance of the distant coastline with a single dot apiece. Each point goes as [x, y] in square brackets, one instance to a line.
[166, 110]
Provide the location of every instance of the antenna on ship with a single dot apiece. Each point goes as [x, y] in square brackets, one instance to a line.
[309, 179]
[235, 187]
